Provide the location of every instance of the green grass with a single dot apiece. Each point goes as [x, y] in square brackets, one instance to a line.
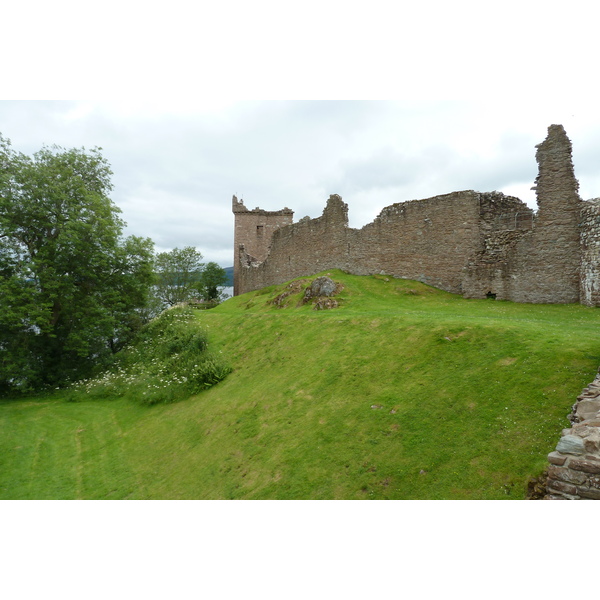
[403, 392]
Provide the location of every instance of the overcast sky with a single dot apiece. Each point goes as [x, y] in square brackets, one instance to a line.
[255, 103]
[177, 167]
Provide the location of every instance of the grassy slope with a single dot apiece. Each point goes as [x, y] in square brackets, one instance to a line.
[402, 392]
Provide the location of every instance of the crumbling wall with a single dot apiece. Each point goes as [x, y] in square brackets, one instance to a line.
[539, 260]
[432, 240]
[427, 240]
[300, 249]
[545, 265]
[477, 244]
[590, 253]
[504, 220]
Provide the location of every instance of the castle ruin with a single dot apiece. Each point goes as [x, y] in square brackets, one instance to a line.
[471, 243]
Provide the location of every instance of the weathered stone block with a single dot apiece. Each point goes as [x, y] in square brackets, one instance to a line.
[570, 444]
[565, 474]
[561, 486]
[321, 286]
[591, 493]
[582, 430]
[587, 466]
[592, 442]
[592, 390]
[555, 458]
[594, 482]
[587, 409]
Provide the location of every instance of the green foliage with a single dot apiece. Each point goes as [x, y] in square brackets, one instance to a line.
[168, 360]
[213, 278]
[70, 286]
[178, 274]
[182, 277]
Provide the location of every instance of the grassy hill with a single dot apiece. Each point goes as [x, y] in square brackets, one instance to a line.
[402, 392]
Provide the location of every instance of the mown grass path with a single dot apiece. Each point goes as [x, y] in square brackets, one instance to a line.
[50, 449]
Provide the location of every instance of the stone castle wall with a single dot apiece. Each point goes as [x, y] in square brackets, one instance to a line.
[427, 240]
[590, 253]
[546, 265]
[540, 263]
[471, 243]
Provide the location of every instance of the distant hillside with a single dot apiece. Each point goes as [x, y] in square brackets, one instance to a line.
[401, 392]
[229, 271]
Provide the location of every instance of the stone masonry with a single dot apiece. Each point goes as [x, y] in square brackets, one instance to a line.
[253, 232]
[574, 471]
[470, 243]
[590, 253]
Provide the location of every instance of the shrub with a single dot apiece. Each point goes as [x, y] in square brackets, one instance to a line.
[168, 360]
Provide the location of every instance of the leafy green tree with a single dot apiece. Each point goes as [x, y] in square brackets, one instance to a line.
[212, 280]
[178, 273]
[70, 286]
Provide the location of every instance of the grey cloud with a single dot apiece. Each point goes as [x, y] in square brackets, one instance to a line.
[175, 173]
[385, 168]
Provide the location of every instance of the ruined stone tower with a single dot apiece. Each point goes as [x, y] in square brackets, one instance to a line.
[252, 236]
[548, 266]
